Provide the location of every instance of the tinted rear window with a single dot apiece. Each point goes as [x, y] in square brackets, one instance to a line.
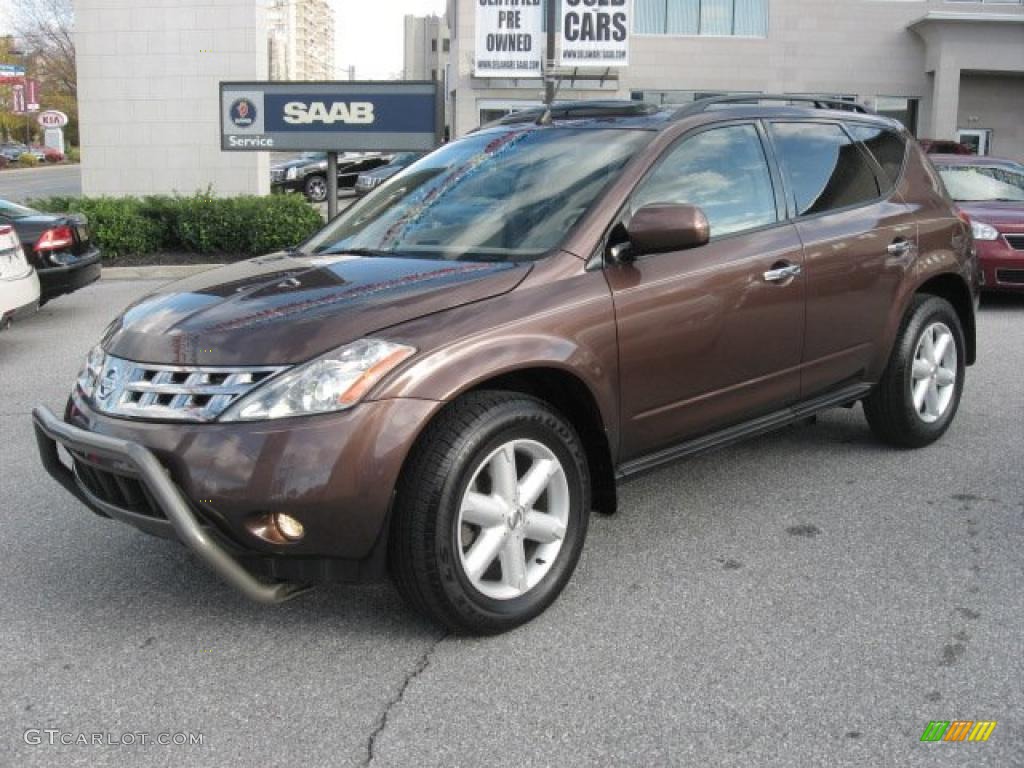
[887, 147]
[826, 169]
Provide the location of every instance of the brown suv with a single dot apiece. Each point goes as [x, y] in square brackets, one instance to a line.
[448, 378]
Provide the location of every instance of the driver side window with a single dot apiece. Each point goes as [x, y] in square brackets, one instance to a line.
[724, 171]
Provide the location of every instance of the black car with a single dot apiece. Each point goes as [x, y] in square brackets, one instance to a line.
[58, 245]
[373, 179]
[307, 173]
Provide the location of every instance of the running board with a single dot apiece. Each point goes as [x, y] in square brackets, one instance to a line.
[759, 426]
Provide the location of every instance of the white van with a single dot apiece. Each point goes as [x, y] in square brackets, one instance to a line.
[19, 285]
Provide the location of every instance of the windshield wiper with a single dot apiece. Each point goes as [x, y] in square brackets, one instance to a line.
[356, 252]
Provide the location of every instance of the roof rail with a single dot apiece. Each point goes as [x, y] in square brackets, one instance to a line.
[579, 110]
[819, 102]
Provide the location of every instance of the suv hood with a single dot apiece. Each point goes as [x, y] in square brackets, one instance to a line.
[285, 308]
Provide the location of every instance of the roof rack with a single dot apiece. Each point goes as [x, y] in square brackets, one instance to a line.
[819, 102]
[580, 110]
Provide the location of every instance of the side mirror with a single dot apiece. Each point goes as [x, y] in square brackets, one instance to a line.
[663, 227]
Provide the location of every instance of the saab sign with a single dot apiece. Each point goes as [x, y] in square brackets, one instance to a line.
[341, 116]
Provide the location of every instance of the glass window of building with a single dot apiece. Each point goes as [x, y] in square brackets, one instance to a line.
[725, 18]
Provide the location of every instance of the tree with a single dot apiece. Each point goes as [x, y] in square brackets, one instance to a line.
[44, 30]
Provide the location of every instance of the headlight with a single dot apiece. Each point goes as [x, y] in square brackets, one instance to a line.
[92, 368]
[291, 173]
[332, 382]
[983, 231]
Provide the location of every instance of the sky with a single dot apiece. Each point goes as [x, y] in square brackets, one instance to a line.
[369, 34]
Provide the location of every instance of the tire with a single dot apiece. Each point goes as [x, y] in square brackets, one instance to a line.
[892, 411]
[466, 450]
[315, 188]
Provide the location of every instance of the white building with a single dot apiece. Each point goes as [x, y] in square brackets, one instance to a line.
[148, 94]
[949, 69]
[300, 40]
[427, 46]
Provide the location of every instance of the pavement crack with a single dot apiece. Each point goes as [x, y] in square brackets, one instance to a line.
[382, 721]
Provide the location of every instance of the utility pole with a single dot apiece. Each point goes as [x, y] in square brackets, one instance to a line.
[549, 79]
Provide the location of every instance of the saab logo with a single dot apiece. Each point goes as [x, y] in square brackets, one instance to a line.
[958, 730]
[357, 112]
[243, 113]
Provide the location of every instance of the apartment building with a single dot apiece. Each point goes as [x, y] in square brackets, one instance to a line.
[427, 52]
[300, 40]
[949, 69]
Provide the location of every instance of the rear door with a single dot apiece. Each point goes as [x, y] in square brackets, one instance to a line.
[859, 238]
[710, 336]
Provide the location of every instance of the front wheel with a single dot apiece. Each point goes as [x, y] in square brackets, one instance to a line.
[919, 393]
[491, 513]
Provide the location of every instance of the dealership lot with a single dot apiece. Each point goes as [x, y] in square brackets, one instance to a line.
[807, 598]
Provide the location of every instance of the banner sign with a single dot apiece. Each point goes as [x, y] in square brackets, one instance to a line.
[595, 33]
[11, 73]
[510, 38]
[18, 99]
[343, 116]
[32, 95]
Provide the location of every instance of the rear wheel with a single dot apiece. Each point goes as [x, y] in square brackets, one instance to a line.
[491, 514]
[919, 393]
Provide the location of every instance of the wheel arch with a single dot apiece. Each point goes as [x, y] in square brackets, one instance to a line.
[570, 396]
[953, 289]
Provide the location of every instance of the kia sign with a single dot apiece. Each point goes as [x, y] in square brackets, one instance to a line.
[390, 116]
[51, 118]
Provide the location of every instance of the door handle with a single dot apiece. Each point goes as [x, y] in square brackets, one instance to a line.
[781, 272]
[898, 247]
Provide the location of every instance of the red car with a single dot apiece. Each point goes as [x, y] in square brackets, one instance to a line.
[991, 192]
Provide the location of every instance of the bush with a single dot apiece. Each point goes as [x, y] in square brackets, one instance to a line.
[27, 160]
[228, 228]
[72, 155]
[4, 162]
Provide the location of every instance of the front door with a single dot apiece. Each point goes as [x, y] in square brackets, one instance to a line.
[712, 335]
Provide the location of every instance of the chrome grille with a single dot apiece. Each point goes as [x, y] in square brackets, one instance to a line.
[174, 393]
[1016, 241]
[277, 174]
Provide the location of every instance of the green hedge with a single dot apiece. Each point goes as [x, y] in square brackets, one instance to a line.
[227, 227]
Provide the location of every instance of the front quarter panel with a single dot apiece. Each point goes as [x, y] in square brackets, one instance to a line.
[560, 317]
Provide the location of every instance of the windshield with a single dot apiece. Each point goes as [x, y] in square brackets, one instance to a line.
[14, 211]
[983, 183]
[500, 195]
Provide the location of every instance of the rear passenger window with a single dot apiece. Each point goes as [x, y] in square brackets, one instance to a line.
[826, 169]
[887, 147]
[723, 171]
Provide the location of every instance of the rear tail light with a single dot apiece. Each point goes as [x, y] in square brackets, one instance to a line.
[55, 239]
[12, 258]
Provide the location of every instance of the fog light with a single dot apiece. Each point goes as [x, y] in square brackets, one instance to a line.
[289, 527]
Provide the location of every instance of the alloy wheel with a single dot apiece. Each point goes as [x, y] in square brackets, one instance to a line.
[512, 519]
[933, 377]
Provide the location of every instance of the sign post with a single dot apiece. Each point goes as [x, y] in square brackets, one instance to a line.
[332, 117]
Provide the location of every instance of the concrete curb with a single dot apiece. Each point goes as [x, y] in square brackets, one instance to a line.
[159, 272]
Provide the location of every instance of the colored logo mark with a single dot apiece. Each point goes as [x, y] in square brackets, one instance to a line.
[958, 730]
[243, 112]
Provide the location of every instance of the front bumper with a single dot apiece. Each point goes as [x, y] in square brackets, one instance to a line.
[335, 473]
[1002, 267]
[140, 462]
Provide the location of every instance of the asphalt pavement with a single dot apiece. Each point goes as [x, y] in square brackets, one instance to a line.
[21, 184]
[809, 598]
